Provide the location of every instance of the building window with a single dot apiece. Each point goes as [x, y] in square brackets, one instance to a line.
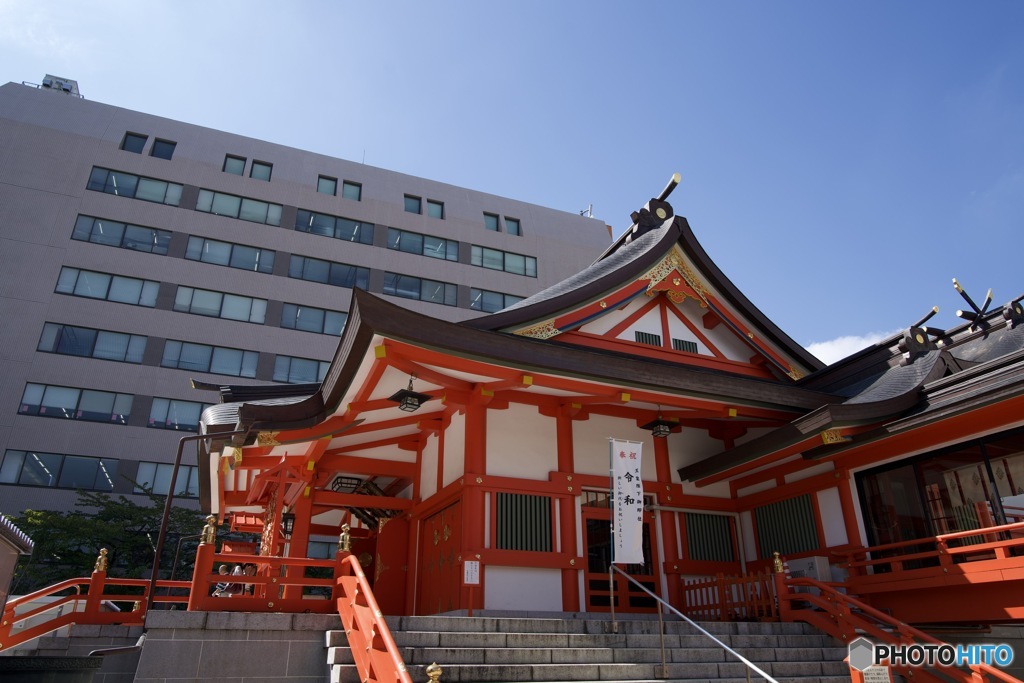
[310, 319]
[300, 370]
[325, 185]
[180, 416]
[353, 191]
[162, 149]
[495, 259]
[123, 235]
[489, 302]
[684, 345]
[328, 272]
[261, 170]
[155, 477]
[93, 285]
[512, 226]
[648, 338]
[424, 245]
[491, 222]
[413, 204]
[334, 226]
[219, 305]
[787, 526]
[234, 206]
[234, 165]
[133, 142]
[134, 187]
[89, 343]
[218, 360]
[435, 209]
[232, 255]
[32, 468]
[523, 522]
[69, 403]
[709, 537]
[409, 287]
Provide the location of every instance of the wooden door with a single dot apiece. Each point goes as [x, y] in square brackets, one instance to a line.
[439, 580]
[391, 565]
[598, 541]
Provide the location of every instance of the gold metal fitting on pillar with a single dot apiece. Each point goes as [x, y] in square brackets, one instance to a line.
[434, 672]
[344, 539]
[101, 561]
[777, 563]
[209, 534]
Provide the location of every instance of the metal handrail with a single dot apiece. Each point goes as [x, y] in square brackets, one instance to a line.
[747, 662]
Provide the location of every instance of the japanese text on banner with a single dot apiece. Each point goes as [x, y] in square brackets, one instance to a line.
[628, 494]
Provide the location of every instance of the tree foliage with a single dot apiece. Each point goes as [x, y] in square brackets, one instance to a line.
[67, 543]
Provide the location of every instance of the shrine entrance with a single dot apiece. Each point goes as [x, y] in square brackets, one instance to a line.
[439, 583]
[597, 515]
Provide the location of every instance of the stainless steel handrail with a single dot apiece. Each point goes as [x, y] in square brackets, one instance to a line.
[749, 664]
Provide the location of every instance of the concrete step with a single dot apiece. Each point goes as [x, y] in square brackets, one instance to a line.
[579, 648]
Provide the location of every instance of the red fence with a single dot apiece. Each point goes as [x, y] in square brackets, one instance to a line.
[730, 598]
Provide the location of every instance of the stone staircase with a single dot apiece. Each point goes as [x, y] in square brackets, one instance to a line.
[580, 647]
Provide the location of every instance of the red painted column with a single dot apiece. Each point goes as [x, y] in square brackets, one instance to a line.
[567, 519]
[473, 495]
[668, 521]
[849, 508]
[299, 543]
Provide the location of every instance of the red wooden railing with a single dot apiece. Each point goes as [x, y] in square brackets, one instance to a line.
[93, 600]
[373, 649]
[730, 598]
[845, 618]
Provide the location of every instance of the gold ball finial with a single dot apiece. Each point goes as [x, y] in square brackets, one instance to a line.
[434, 672]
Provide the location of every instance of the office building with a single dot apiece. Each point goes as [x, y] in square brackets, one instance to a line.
[140, 253]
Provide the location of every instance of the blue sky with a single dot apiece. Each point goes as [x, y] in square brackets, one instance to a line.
[841, 161]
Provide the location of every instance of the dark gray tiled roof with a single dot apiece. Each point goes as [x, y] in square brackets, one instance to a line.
[995, 345]
[896, 381]
[14, 536]
[227, 413]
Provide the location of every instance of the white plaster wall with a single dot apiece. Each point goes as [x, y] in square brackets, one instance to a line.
[756, 488]
[428, 467]
[679, 330]
[612, 318]
[820, 468]
[521, 443]
[717, 490]
[454, 449]
[590, 445]
[392, 453]
[522, 588]
[832, 517]
[690, 446]
[650, 322]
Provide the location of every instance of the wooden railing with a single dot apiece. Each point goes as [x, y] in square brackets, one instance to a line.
[730, 598]
[845, 618]
[998, 543]
[97, 599]
[373, 649]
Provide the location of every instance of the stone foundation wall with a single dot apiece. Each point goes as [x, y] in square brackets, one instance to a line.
[235, 647]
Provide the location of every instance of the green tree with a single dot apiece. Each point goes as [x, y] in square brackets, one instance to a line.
[67, 543]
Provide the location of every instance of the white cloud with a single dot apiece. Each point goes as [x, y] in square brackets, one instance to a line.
[841, 347]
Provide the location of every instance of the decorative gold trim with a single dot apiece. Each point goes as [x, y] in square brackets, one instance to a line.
[381, 522]
[831, 436]
[267, 438]
[795, 373]
[544, 330]
[447, 532]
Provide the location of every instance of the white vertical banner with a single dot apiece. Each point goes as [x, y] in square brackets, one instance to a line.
[628, 496]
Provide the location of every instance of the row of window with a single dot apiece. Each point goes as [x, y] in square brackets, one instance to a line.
[89, 405]
[136, 142]
[489, 302]
[262, 170]
[55, 470]
[267, 213]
